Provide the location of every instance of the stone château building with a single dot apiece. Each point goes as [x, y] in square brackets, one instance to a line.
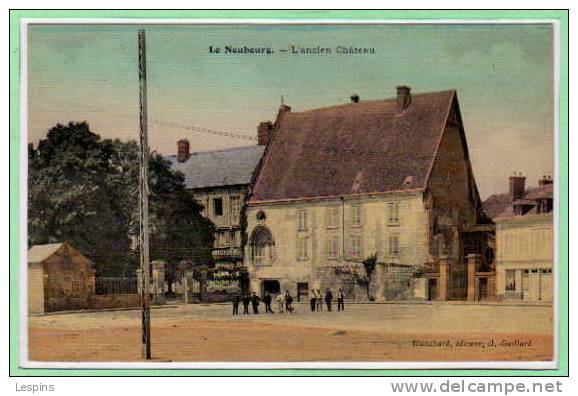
[390, 178]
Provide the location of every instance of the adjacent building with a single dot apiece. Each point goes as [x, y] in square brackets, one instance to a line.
[386, 178]
[220, 180]
[524, 238]
[57, 272]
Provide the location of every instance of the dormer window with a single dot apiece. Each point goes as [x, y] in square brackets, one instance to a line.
[523, 206]
[544, 206]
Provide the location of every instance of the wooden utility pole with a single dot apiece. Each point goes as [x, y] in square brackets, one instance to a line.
[144, 200]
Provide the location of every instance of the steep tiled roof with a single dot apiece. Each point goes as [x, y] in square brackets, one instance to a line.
[501, 206]
[219, 168]
[546, 191]
[496, 204]
[39, 253]
[353, 148]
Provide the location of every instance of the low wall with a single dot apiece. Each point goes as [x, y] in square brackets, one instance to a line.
[92, 302]
[210, 297]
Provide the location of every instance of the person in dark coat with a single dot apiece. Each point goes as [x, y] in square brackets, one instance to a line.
[246, 301]
[313, 300]
[255, 300]
[328, 299]
[340, 300]
[288, 302]
[236, 304]
[267, 300]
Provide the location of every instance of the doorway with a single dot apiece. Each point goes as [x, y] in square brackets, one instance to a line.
[458, 282]
[271, 286]
[432, 290]
[302, 291]
[483, 289]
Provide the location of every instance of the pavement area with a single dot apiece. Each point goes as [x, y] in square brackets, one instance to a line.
[437, 331]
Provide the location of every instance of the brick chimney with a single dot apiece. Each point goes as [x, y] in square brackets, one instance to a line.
[546, 179]
[284, 109]
[264, 133]
[183, 148]
[517, 186]
[403, 97]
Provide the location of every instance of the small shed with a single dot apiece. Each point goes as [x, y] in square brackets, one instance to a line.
[57, 271]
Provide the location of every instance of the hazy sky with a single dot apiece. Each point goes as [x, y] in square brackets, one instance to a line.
[503, 75]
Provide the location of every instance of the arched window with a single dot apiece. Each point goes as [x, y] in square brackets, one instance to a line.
[262, 246]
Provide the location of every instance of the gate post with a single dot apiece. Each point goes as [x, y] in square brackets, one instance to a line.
[473, 260]
[443, 278]
[158, 280]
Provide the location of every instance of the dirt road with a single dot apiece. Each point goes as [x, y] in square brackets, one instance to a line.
[197, 333]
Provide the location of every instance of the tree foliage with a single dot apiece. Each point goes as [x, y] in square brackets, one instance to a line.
[369, 265]
[84, 190]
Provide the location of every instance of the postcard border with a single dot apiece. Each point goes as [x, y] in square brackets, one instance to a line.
[561, 166]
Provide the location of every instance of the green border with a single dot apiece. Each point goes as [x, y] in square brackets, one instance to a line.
[16, 15]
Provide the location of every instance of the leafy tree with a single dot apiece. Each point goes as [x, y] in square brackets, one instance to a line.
[84, 190]
[369, 266]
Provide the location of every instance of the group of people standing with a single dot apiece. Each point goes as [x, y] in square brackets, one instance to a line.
[285, 302]
[316, 300]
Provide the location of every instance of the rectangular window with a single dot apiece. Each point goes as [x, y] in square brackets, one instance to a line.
[333, 248]
[235, 209]
[218, 206]
[333, 217]
[355, 246]
[356, 216]
[393, 213]
[219, 240]
[394, 245]
[302, 214]
[511, 280]
[302, 248]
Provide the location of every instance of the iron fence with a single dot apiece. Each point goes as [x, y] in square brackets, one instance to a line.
[116, 285]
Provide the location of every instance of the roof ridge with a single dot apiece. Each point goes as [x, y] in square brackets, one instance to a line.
[370, 101]
[293, 167]
[222, 150]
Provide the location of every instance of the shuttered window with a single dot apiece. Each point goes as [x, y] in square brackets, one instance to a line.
[332, 217]
[332, 248]
[302, 248]
[355, 248]
[356, 216]
[394, 245]
[393, 213]
[302, 216]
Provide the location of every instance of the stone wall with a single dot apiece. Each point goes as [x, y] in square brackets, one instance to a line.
[109, 301]
[68, 275]
[373, 234]
[392, 282]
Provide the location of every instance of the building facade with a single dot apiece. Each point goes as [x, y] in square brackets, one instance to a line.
[525, 244]
[389, 179]
[55, 272]
[220, 181]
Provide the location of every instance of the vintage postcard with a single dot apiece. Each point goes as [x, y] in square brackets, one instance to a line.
[260, 193]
